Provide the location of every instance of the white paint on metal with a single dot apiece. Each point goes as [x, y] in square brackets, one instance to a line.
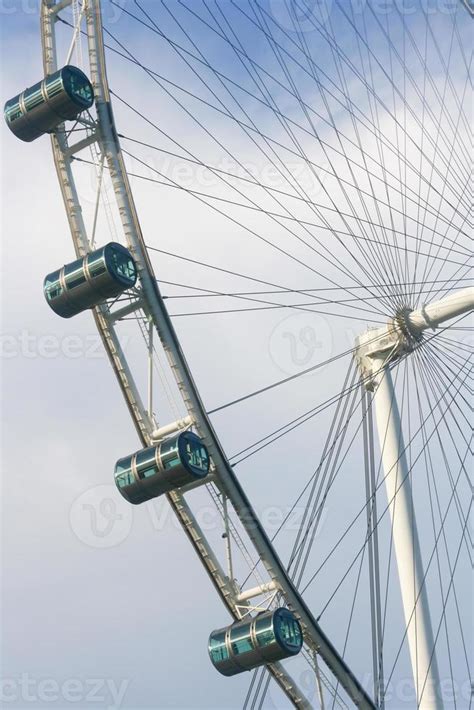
[256, 591]
[405, 541]
[375, 350]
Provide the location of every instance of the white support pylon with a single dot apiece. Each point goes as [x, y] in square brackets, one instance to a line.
[375, 350]
[405, 542]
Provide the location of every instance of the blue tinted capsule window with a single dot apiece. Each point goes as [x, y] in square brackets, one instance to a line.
[176, 462]
[240, 639]
[91, 280]
[146, 463]
[269, 637]
[218, 647]
[123, 472]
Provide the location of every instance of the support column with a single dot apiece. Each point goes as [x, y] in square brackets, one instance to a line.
[405, 541]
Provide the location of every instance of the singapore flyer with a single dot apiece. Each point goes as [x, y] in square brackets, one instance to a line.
[236, 354]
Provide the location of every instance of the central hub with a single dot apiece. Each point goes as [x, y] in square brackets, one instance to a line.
[378, 347]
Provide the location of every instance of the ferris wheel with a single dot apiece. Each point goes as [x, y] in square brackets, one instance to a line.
[399, 238]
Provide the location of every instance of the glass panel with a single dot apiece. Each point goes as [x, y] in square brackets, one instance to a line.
[123, 265]
[240, 640]
[33, 97]
[13, 111]
[74, 274]
[196, 454]
[54, 85]
[169, 453]
[264, 631]
[52, 286]
[123, 472]
[146, 463]
[217, 648]
[290, 630]
[79, 86]
[96, 263]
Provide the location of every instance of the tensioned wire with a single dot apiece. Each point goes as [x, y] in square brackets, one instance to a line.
[379, 483]
[272, 304]
[349, 527]
[459, 508]
[321, 168]
[246, 197]
[379, 519]
[273, 77]
[121, 55]
[435, 547]
[362, 558]
[350, 567]
[254, 13]
[260, 237]
[286, 289]
[169, 40]
[390, 264]
[390, 246]
[359, 568]
[429, 266]
[324, 34]
[209, 293]
[460, 113]
[445, 111]
[283, 289]
[432, 486]
[375, 263]
[268, 305]
[197, 193]
[407, 73]
[308, 528]
[213, 168]
[397, 130]
[426, 273]
[326, 453]
[446, 547]
[375, 120]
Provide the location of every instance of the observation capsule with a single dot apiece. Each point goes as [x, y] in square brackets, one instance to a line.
[175, 462]
[40, 109]
[266, 638]
[102, 274]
